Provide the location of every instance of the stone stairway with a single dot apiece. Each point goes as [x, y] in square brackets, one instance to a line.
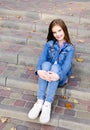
[22, 35]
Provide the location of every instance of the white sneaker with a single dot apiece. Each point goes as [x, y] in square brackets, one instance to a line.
[45, 115]
[34, 112]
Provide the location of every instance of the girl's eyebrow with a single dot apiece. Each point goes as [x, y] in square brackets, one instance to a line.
[56, 31]
[53, 32]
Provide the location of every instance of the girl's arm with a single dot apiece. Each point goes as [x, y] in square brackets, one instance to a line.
[67, 63]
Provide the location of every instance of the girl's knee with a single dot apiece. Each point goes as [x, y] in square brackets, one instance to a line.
[46, 66]
[55, 68]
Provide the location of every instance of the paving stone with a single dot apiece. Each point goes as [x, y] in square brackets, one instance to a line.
[2, 125]
[29, 105]
[29, 97]
[88, 108]
[15, 95]
[69, 112]
[59, 128]
[20, 103]
[81, 107]
[8, 101]
[48, 127]
[5, 93]
[1, 98]
[83, 115]
[9, 126]
[21, 128]
[84, 102]
[71, 125]
[59, 110]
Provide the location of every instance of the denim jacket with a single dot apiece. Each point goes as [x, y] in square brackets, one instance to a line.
[52, 52]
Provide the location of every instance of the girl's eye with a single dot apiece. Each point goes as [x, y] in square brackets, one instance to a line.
[59, 30]
[54, 32]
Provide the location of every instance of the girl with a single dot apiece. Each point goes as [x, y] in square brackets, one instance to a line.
[53, 68]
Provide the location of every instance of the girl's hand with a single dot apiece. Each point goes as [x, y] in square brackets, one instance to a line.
[53, 76]
[48, 76]
[42, 74]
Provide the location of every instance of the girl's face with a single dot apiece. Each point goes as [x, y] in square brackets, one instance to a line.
[58, 33]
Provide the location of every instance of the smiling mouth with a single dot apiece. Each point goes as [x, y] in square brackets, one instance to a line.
[59, 37]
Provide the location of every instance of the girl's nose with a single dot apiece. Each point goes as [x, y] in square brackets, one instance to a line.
[57, 34]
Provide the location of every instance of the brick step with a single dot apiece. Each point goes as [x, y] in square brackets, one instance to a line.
[11, 49]
[22, 37]
[24, 54]
[29, 26]
[35, 39]
[38, 39]
[27, 37]
[41, 15]
[21, 50]
[19, 54]
[17, 76]
[77, 30]
[69, 7]
[80, 45]
[22, 32]
[17, 103]
[83, 48]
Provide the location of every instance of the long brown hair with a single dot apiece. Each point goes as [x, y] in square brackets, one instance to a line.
[60, 23]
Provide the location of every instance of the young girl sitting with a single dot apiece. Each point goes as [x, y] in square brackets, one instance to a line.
[53, 68]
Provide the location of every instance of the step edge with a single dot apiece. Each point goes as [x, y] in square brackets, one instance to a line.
[33, 86]
[42, 15]
[54, 122]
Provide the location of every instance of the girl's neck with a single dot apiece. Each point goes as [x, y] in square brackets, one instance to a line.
[61, 42]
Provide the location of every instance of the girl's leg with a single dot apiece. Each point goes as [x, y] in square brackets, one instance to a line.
[34, 112]
[52, 87]
[42, 84]
[51, 91]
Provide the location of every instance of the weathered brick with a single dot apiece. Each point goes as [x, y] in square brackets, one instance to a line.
[8, 101]
[59, 110]
[88, 108]
[28, 105]
[69, 112]
[83, 115]
[85, 102]
[62, 103]
[47, 127]
[5, 93]
[20, 127]
[2, 125]
[59, 128]
[29, 97]
[9, 126]
[16, 95]
[19, 103]
[1, 98]
[81, 107]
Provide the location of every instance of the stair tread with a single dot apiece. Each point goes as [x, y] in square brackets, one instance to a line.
[18, 102]
[22, 76]
[42, 26]
[57, 8]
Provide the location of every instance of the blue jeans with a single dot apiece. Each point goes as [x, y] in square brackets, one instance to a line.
[47, 90]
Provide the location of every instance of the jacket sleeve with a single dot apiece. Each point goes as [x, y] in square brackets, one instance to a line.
[66, 66]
